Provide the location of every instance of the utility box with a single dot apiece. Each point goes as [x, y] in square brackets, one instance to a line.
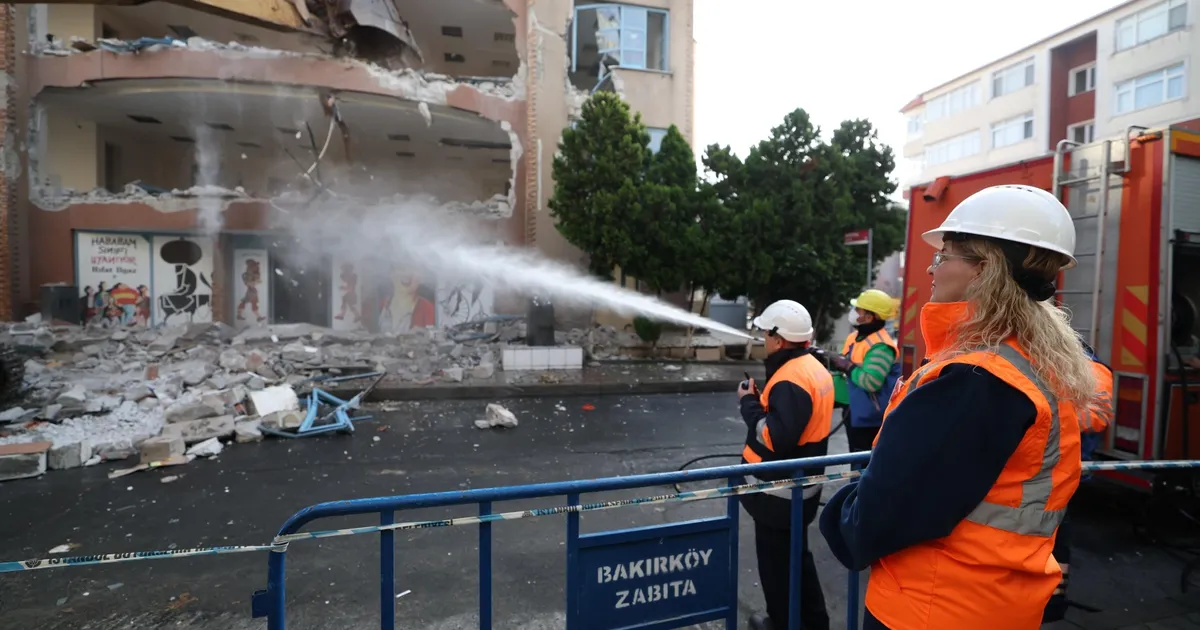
[61, 302]
[539, 323]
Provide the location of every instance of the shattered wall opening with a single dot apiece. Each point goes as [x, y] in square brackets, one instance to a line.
[612, 35]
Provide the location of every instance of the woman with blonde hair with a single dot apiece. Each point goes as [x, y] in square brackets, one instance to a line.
[979, 452]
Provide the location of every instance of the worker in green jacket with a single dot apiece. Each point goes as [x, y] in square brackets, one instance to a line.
[869, 361]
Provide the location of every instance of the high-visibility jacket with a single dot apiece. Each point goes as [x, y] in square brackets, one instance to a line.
[808, 374]
[1097, 419]
[996, 570]
[866, 408]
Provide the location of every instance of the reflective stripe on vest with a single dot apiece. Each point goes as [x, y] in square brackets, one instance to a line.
[1030, 517]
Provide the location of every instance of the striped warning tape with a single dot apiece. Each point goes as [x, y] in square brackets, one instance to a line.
[280, 544]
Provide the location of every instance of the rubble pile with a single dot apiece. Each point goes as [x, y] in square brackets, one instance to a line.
[103, 394]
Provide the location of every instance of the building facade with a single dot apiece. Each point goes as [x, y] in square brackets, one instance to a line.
[1135, 64]
[158, 157]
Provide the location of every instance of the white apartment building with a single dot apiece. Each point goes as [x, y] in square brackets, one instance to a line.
[1135, 64]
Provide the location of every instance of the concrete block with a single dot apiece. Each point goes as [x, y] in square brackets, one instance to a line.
[194, 431]
[709, 354]
[247, 431]
[18, 461]
[283, 420]
[186, 411]
[279, 398]
[162, 447]
[72, 455]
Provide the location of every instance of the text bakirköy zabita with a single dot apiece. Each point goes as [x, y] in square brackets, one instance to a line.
[650, 567]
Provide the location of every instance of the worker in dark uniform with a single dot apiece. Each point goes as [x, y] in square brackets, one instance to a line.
[787, 419]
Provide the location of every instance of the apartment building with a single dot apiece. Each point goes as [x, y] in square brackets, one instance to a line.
[1135, 64]
[154, 154]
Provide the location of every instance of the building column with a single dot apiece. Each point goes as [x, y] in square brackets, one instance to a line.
[10, 166]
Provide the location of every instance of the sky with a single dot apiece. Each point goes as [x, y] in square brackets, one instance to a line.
[757, 60]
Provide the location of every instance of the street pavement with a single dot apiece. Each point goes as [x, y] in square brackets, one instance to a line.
[243, 496]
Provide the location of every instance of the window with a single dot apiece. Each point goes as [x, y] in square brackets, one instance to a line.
[1083, 133]
[1083, 79]
[1151, 23]
[953, 102]
[1149, 90]
[1012, 131]
[656, 138]
[952, 149]
[615, 35]
[916, 125]
[1012, 78]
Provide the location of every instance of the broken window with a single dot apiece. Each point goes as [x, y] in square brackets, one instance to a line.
[608, 36]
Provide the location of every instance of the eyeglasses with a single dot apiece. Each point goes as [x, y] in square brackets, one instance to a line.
[940, 257]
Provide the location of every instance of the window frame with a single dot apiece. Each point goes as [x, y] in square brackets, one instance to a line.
[1028, 73]
[1090, 68]
[1129, 87]
[620, 39]
[943, 101]
[1024, 121]
[917, 120]
[1134, 21]
[1089, 137]
[650, 130]
[962, 137]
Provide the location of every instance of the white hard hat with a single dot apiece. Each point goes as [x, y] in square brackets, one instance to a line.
[787, 319]
[1021, 214]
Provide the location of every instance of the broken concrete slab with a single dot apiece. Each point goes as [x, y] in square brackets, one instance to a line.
[20, 461]
[71, 455]
[272, 399]
[247, 431]
[190, 409]
[498, 416]
[283, 420]
[208, 448]
[193, 431]
[161, 448]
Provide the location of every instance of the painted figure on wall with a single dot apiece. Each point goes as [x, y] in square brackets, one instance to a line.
[142, 307]
[124, 299]
[183, 254]
[88, 305]
[463, 303]
[349, 291]
[423, 297]
[251, 277]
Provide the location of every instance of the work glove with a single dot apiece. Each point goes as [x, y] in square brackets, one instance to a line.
[840, 363]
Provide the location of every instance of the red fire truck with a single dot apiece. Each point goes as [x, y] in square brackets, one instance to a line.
[1135, 200]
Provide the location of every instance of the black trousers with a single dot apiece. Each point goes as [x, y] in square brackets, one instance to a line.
[859, 438]
[772, 543]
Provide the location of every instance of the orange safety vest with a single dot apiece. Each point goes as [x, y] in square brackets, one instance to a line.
[860, 348]
[996, 570]
[808, 373]
[1100, 416]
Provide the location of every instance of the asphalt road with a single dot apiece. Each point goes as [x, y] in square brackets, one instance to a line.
[243, 496]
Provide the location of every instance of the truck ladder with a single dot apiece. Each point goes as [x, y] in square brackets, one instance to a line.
[1083, 286]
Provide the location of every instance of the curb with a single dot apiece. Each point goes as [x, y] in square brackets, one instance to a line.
[534, 390]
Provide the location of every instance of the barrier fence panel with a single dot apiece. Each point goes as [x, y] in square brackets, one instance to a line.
[656, 577]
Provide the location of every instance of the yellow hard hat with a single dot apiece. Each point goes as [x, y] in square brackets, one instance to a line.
[876, 301]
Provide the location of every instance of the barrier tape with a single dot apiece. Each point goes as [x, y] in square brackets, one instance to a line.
[280, 544]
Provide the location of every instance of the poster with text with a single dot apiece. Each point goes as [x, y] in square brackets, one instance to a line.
[461, 302]
[183, 271]
[112, 272]
[251, 291]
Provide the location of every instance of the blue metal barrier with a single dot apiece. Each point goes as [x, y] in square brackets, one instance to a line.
[664, 576]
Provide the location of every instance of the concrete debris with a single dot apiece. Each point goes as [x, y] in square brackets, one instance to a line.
[497, 416]
[96, 394]
[208, 448]
[18, 461]
[54, 198]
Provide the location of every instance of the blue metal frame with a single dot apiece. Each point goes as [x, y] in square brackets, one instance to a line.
[270, 603]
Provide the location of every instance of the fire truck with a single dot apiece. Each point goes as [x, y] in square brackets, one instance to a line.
[1135, 203]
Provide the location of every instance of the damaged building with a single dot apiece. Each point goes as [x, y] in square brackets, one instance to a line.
[153, 151]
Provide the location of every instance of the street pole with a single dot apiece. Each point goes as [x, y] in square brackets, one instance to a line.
[870, 243]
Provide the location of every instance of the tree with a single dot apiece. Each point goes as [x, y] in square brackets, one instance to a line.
[786, 208]
[599, 173]
[662, 235]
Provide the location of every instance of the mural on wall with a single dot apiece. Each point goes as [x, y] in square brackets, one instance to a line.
[113, 273]
[251, 289]
[464, 302]
[183, 268]
[384, 298]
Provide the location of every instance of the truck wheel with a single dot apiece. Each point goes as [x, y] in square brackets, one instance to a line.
[12, 374]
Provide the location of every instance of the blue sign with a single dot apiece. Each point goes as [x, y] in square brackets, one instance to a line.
[666, 576]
